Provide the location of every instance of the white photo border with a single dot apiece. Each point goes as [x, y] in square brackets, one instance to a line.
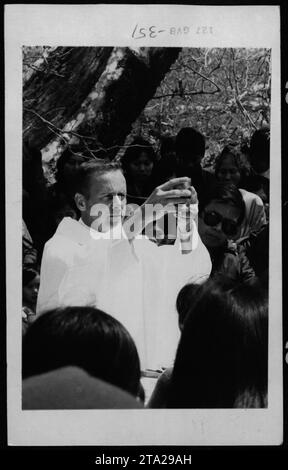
[113, 25]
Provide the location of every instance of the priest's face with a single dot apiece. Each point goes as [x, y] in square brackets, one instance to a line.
[105, 202]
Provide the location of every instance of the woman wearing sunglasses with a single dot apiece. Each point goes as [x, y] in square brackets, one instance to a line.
[221, 213]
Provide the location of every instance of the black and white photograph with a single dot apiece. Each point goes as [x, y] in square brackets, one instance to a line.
[143, 168]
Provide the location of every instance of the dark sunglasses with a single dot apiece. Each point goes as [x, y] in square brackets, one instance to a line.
[229, 227]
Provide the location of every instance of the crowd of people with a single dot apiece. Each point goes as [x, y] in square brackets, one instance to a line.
[166, 285]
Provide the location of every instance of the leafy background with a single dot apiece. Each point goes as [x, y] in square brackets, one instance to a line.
[223, 92]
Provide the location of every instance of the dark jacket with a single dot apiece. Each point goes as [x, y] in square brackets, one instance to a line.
[258, 254]
[232, 262]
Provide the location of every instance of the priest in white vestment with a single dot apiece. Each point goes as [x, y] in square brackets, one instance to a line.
[115, 269]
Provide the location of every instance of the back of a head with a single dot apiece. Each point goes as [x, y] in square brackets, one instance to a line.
[84, 337]
[222, 358]
[185, 299]
[72, 388]
[190, 143]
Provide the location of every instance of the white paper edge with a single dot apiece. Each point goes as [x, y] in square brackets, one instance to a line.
[106, 25]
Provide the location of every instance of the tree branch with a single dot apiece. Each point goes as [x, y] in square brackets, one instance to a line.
[245, 112]
[203, 76]
[60, 134]
[45, 71]
[201, 92]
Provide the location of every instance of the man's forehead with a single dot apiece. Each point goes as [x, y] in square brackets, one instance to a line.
[113, 179]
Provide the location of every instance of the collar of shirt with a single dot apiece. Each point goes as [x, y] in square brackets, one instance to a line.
[116, 233]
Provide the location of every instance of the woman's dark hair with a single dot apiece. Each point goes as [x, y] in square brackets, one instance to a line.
[85, 337]
[222, 357]
[239, 158]
[226, 193]
[81, 180]
[135, 148]
[189, 294]
[185, 298]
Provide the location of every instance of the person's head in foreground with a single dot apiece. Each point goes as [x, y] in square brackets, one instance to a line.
[222, 357]
[231, 166]
[183, 303]
[190, 148]
[100, 194]
[72, 388]
[84, 337]
[221, 212]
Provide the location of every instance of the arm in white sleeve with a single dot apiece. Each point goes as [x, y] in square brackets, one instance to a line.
[53, 270]
[190, 265]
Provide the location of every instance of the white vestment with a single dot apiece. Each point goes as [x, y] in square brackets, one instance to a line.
[136, 282]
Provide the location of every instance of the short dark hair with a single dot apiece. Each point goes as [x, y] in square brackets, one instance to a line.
[137, 146]
[190, 142]
[222, 357]
[85, 337]
[83, 173]
[239, 158]
[226, 193]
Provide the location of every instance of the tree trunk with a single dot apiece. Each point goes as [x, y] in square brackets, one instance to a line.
[106, 94]
[57, 88]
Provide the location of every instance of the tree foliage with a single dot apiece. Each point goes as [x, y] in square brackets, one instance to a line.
[222, 92]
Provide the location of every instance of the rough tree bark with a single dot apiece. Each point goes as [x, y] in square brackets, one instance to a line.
[123, 83]
[57, 88]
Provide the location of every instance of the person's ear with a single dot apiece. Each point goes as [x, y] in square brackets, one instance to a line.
[80, 202]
